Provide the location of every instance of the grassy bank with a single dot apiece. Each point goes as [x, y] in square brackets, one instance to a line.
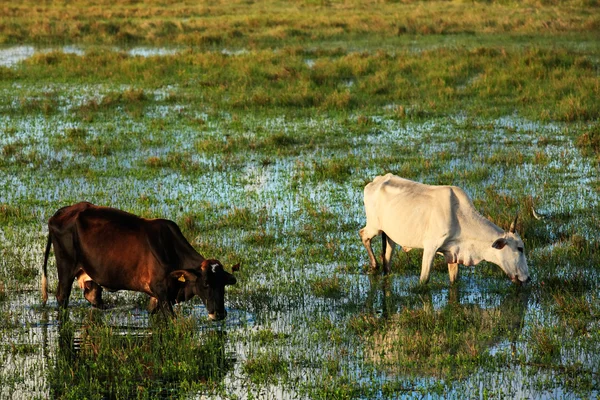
[260, 24]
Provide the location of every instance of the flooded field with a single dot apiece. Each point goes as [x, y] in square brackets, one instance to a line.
[257, 135]
[305, 319]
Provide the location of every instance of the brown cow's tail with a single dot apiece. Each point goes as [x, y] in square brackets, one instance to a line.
[44, 272]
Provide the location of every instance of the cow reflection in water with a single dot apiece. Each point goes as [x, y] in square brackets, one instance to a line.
[446, 341]
[129, 362]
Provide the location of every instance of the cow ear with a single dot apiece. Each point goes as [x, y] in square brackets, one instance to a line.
[499, 244]
[182, 276]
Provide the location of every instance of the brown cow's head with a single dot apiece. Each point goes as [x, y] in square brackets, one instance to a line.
[208, 283]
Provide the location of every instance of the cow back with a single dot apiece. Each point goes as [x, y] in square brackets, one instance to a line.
[170, 247]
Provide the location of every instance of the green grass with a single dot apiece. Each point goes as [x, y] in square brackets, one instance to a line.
[328, 287]
[266, 367]
[106, 362]
[540, 83]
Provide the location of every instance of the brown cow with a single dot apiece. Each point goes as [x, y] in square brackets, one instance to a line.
[110, 248]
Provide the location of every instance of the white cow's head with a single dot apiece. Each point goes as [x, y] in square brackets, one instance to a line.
[511, 256]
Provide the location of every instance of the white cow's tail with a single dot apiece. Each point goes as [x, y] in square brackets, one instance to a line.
[44, 272]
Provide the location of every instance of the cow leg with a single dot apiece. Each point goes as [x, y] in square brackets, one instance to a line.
[65, 282]
[93, 293]
[428, 255]
[165, 307]
[91, 290]
[453, 272]
[366, 237]
[153, 305]
[387, 251]
[453, 295]
[66, 267]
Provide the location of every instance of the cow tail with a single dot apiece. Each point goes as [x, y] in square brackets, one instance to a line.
[44, 271]
[383, 245]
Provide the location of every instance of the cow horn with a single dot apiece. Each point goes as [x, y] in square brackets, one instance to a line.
[513, 226]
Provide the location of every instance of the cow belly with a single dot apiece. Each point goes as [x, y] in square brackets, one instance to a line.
[416, 224]
[83, 277]
[114, 279]
[404, 230]
[116, 266]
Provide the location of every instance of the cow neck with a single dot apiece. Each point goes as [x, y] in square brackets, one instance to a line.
[481, 229]
[493, 232]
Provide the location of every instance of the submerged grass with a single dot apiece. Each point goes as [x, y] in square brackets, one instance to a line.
[103, 361]
[449, 343]
[266, 368]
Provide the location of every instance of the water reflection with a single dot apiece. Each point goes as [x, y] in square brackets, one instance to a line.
[449, 341]
[167, 359]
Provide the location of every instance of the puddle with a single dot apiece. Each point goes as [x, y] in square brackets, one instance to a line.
[13, 55]
[152, 51]
[10, 56]
[230, 52]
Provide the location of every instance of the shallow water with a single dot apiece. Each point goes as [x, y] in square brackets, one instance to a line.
[10, 56]
[314, 223]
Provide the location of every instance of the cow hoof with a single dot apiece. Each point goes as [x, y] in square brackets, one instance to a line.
[217, 316]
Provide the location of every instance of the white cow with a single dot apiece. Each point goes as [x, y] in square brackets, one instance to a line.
[437, 219]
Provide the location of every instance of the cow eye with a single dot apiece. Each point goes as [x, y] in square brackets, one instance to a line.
[520, 249]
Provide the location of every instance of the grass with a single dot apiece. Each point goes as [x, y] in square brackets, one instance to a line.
[426, 342]
[328, 287]
[482, 81]
[105, 362]
[589, 141]
[240, 24]
[256, 129]
[264, 368]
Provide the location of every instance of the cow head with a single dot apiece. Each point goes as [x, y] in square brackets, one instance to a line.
[511, 256]
[208, 283]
